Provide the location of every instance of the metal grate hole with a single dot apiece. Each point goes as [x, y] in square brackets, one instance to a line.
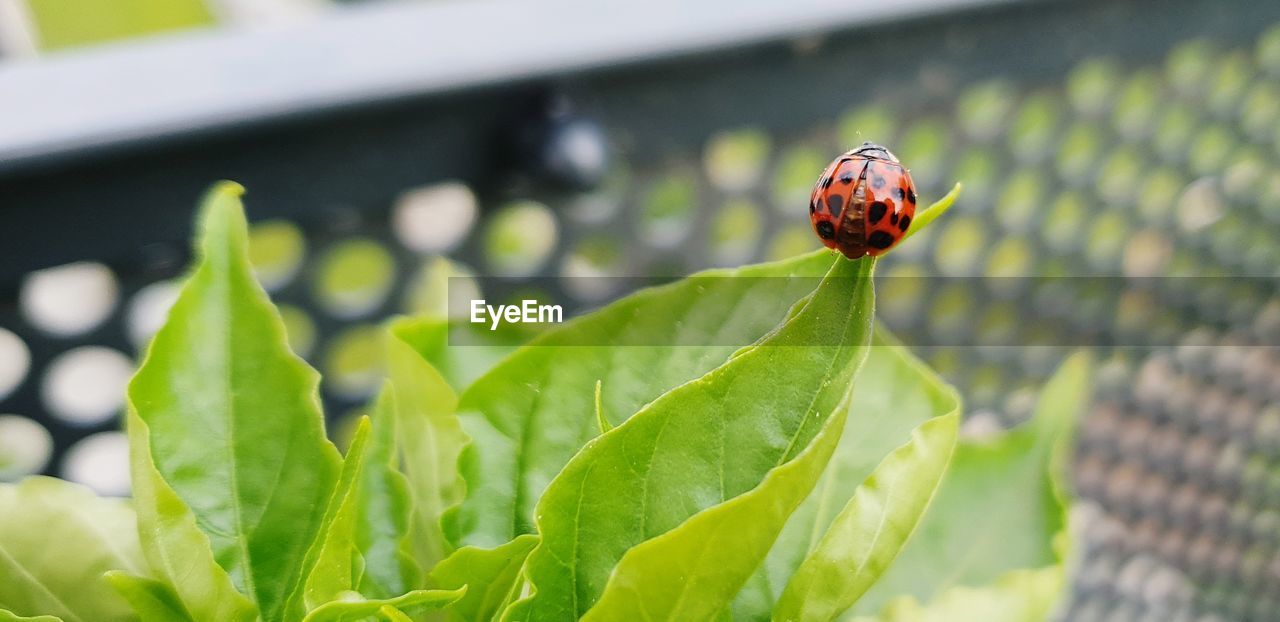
[15, 362]
[85, 386]
[25, 447]
[520, 238]
[434, 219]
[353, 278]
[101, 462]
[148, 310]
[69, 300]
[353, 362]
[277, 249]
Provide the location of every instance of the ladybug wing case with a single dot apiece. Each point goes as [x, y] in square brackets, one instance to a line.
[837, 208]
[890, 205]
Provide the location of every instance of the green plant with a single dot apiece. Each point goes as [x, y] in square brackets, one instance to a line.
[582, 475]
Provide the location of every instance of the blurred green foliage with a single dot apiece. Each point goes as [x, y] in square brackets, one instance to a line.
[69, 23]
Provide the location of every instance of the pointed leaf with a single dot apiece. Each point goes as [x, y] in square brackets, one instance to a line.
[385, 511]
[333, 563]
[704, 476]
[488, 574]
[152, 600]
[1000, 507]
[896, 394]
[235, 424]
[179, 553]
[938, 208]
[357, 610]
[57, 539]
[532, 412]
[430, 440]
[873, 527]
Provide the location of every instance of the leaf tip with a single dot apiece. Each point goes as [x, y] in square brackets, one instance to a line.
[1078, 362]
[929, 214]
[361, 434]
[228, 188]
[221, 215]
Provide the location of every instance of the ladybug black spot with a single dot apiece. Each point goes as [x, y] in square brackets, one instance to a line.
[893, 218]
[899, 194]
[846, 177]
[835, 203]
[813, 206]
[825, 230]
[880, 240]
[911, 195]
[876, 212]
[877, 183]
[904, 223]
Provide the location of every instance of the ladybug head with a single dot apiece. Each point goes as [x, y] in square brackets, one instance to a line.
[872, 150]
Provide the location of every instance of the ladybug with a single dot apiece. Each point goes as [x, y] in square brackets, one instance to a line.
[863, 203]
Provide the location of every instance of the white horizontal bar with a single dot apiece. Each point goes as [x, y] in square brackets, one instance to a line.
[155, 87]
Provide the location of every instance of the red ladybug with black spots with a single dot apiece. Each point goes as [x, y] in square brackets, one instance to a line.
[863, 203]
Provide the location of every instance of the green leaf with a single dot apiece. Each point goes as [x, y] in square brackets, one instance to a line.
[386, 511]
[152, 600]
[867, 535]
[178, 552]
[532, 412]
[1000, 507]
[391, 614]
[460, 352]
[897, 393]
[430, 440]
[235, 427]
[1018, 596]
[57, 539]
[676, 507]
[9, 616]
[334, 563]
[488, 574]
[938, 208]
[357, 609]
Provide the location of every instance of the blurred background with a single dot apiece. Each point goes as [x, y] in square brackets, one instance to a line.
[387, 146]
